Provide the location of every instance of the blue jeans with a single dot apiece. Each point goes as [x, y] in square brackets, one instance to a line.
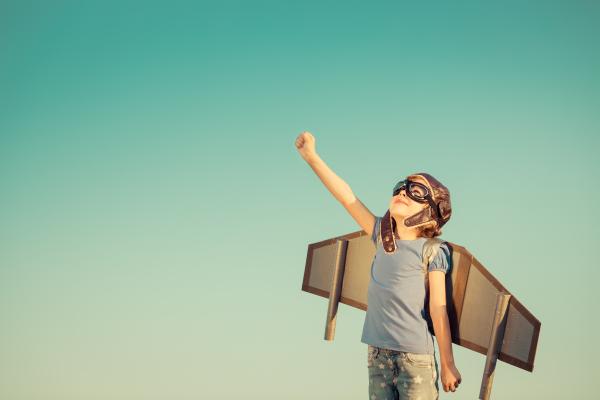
[400, 375]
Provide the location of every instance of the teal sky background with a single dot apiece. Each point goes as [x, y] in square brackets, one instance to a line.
[156, 215]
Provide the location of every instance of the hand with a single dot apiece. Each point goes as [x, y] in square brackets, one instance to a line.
[450, 378]
[305, 144]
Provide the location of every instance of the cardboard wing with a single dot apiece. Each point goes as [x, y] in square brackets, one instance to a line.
[340, 269]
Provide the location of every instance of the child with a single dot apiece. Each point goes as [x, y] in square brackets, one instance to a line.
[401, 356]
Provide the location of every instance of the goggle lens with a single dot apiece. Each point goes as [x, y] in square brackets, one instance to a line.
[417, 190]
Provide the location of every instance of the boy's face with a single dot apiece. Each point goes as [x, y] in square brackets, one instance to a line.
[402, 206]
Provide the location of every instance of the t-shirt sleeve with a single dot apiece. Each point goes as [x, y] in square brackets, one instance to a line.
[442, 260]
[375, 232]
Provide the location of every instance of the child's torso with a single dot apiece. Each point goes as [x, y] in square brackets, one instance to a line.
[396, 300]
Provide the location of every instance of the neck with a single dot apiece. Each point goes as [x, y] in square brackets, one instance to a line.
[405, 233]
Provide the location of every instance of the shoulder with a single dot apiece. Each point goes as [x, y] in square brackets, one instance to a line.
[436, 243]
[432, 246]
[438, 255]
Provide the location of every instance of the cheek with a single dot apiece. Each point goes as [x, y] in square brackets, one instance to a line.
[416, 207]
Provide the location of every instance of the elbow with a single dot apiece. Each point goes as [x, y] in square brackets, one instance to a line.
[439, 316]
[437, 310]
[347, 199]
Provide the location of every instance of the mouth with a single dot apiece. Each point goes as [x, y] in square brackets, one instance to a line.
[401, 201]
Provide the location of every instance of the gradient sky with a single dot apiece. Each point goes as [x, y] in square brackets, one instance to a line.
[155, 214]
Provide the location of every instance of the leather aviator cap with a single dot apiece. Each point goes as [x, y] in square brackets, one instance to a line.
[441, 214]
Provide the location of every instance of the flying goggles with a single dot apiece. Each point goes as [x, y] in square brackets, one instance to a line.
[418, 192]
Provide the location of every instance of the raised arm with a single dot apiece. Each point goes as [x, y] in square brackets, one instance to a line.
[305, 144]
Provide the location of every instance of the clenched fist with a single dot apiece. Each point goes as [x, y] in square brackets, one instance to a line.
[305, 144]
[450, 378]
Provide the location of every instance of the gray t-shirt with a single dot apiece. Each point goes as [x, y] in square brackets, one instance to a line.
[395, 317]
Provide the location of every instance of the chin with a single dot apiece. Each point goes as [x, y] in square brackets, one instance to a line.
[399, 206]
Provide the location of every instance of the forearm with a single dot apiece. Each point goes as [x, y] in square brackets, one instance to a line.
[441, 327]
[336, 185]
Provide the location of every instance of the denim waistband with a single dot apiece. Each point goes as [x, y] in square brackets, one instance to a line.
[390, 352]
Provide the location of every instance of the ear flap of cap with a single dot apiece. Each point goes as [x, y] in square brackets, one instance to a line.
[386, 233]
[420, 218]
